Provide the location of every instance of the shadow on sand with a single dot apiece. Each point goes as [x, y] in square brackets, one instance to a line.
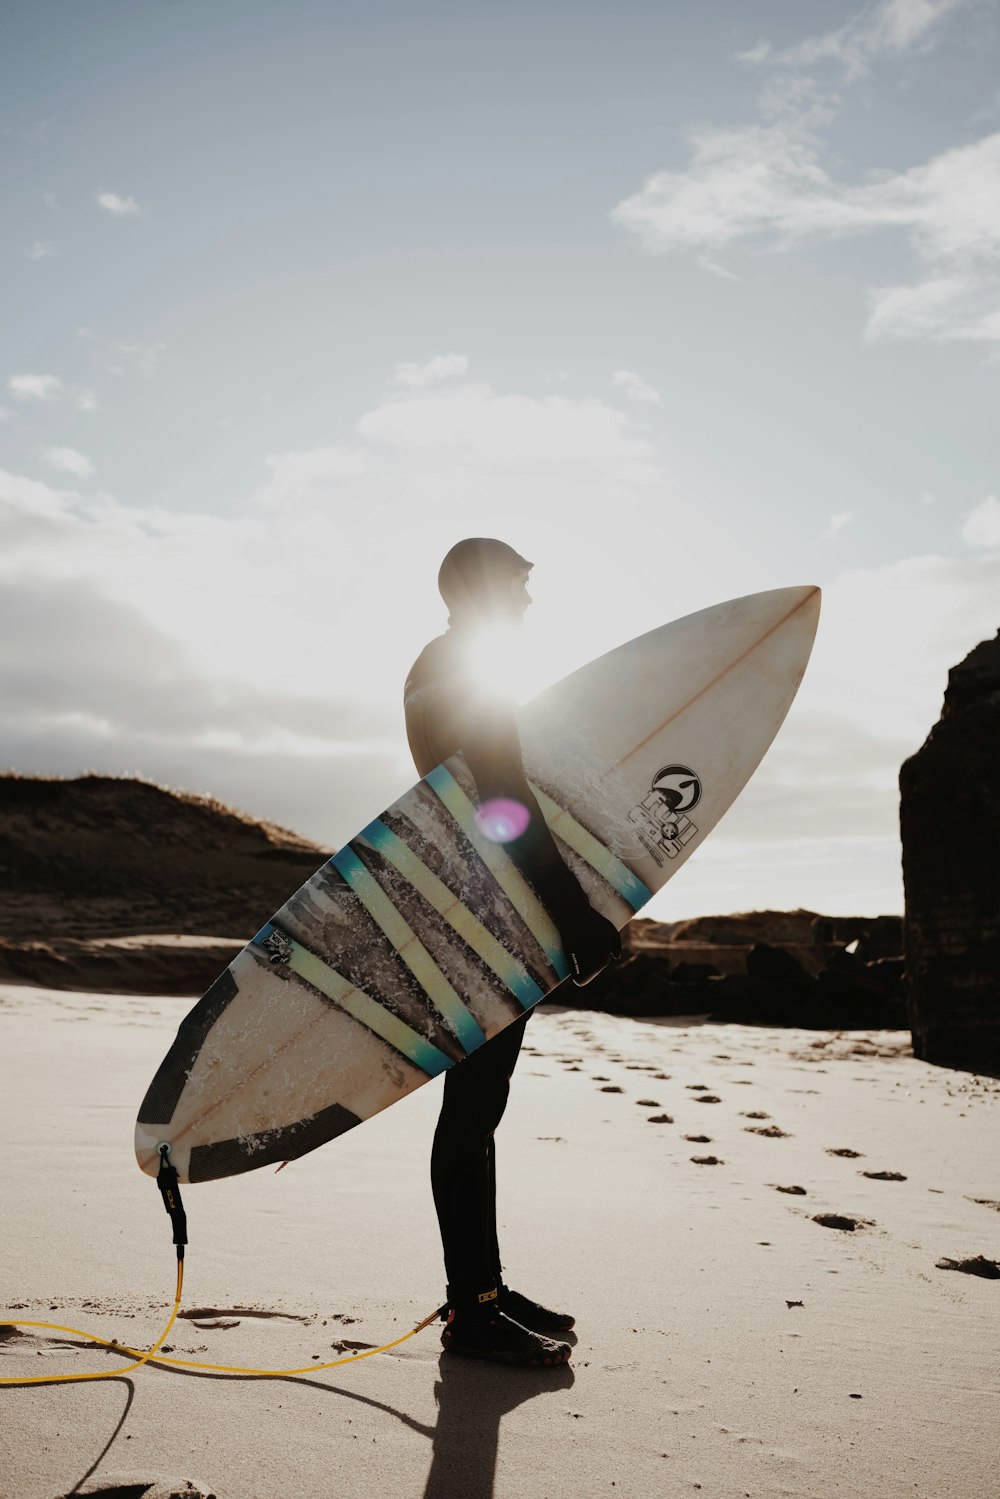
[472, 1399]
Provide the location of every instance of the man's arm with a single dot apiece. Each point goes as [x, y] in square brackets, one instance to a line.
[491, 746]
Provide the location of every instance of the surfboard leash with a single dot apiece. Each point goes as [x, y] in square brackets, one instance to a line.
[166, 1180]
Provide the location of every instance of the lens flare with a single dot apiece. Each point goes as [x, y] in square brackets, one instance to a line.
[501, 819]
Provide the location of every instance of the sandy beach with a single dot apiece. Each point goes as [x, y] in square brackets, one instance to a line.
[729, 1341]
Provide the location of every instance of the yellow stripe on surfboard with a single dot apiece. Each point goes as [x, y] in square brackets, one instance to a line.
[409, 947]
[502, 867]
[593, 851]
[280, 947]
[504, 964]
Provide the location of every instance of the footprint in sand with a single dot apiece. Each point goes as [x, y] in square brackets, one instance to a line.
[845, 1151]
[208, 1313]
[840, 1220]
[697, 1087]
[612, 1088]
[708, 1098]
[753, 1114]
[986, 1202]
[659, 1119]
[648, 1103]
[699, 1139]
[883, 1176]
[770, 1130]
[978, 1265]
[596, 1079]
[707, 1160]
[795, 1191]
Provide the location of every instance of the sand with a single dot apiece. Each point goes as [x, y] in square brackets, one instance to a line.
[730, 1342]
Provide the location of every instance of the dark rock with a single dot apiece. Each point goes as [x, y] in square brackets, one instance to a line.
[950, 825]
[693, 973]
[876, 936]
[853, 996]
[773, 965]
[890, 974]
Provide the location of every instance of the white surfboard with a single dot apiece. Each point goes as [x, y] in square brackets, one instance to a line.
[420, 939]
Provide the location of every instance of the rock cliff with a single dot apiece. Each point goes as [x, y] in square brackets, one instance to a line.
[950, 825]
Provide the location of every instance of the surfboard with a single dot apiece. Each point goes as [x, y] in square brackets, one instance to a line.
[420, 939]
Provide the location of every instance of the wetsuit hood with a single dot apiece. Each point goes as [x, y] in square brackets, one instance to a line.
[475, 579]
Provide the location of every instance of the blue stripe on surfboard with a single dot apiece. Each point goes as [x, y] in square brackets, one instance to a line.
[506, 873]
[469, 928]
[348, 997]
[408, 945]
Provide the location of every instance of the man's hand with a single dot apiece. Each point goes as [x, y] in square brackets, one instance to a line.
[590, 942]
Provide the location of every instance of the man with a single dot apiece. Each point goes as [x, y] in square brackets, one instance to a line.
[448, 708]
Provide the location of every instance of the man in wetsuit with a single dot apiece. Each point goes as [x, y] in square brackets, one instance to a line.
[484, 583]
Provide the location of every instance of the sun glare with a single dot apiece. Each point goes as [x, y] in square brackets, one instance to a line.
[507, 662]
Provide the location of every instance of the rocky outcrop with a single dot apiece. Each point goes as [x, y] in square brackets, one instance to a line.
[950, 825]
[720, 966]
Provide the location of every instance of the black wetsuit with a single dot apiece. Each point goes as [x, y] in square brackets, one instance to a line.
[446, 710]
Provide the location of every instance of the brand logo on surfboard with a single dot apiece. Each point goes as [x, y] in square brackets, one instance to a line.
[660, 820]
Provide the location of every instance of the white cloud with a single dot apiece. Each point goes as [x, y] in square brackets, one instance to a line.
[118, 206]
[474, 423]
[332, 535]
[49, 388]
[441, 367]
[35, 387]
[69, 461]
[51, 202]
[944, 309]
[887, 28]
[838, 521]
[889, 635]
[310, 477]
[768, 179]
[42, 249]
[767, 183]
[635, 388]
[982, 525]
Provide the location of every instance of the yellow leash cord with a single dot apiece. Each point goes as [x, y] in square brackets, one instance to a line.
[185, 1363]
[170, 1191]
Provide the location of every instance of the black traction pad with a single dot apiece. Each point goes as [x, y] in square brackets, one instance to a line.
[167, 1086]
[230, 1157]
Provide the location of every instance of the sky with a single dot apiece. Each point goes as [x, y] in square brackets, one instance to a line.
[684, 301]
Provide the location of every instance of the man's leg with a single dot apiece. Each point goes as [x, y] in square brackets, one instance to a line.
[475, 1096]
[464, 1184]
